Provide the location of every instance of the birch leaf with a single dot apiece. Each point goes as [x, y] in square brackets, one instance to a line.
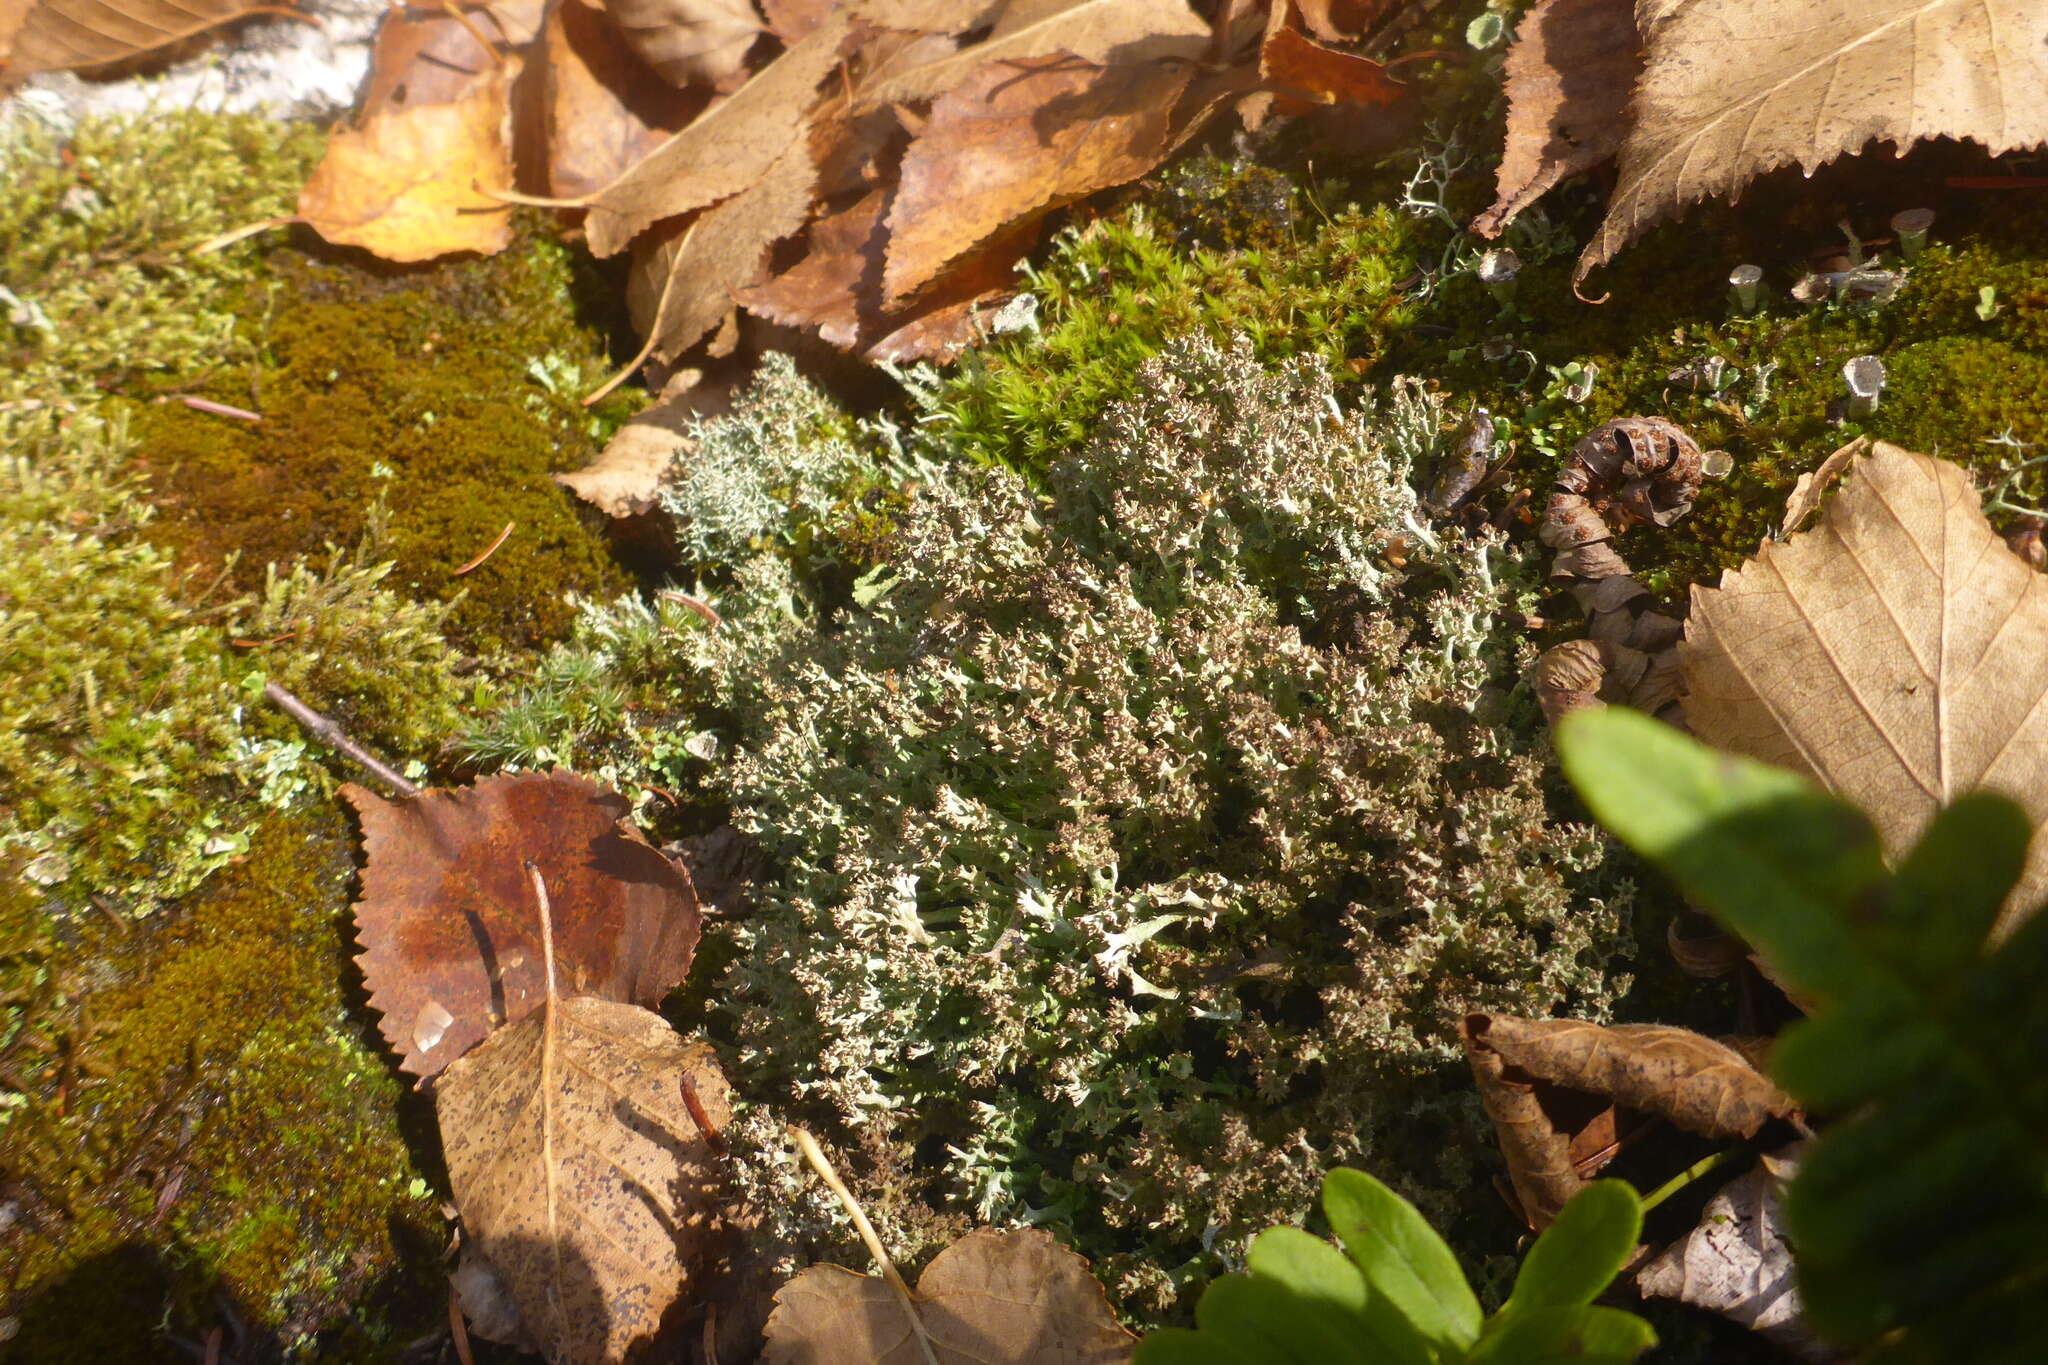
[1897, 654]
[65, 35]
[1734, 88]
[582, 1176]
[1103, 32]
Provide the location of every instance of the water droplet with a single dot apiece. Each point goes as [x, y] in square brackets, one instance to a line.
[429, 1025]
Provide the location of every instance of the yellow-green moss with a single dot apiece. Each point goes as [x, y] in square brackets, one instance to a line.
[219, 1103]
[450, 393]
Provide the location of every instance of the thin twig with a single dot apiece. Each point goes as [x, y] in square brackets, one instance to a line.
[815, 1154]
[195, 402]
[489, 550]
[458, 1331]
[233, 235]
[335, 738]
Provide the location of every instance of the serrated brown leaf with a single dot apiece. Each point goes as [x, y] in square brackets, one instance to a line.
[1734, 88]
[689, 41]
[1016, 140]
[66, 35]
[991, 1298]
[406, 182]
[1569, 76]
[581, 1174]
[1694, 1082]
[725, 250]
[606, 109]
[1897, 654]
[1097, 32]
[726, 150]
[447, 918]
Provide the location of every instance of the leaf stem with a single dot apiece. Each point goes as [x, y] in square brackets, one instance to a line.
[815, 1154]
[1693, 1172]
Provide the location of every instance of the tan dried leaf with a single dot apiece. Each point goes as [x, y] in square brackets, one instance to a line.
[991, 1298]
[1569, 76]
[1538, 1155]
[623, 481]
[1734, 88]
[1811, 487]
[1101, 32]
[1736, 1262]
[65, 35]
[726, 150]
[1017, 139]
[689, 40]
[580, 1173]
[1897, 654]
[1306, 70]
[605, 108]
[1691, 1080]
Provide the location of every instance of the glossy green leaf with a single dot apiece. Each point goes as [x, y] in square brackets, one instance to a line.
[1327, 1284]
[1267, 1319]
[1588, 1335]
[1179, 1346]
[1582, 1251]
[1402, 1258]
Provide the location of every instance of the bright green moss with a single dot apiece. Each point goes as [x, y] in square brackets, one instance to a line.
[216, 1098]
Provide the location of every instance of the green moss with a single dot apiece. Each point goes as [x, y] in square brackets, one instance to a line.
[220, 1102]
[1116, 290]
[449, 393]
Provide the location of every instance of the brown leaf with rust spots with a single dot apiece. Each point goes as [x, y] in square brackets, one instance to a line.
[1538, 1154]
[581, 1174]
[991, 1298]
[1569, 76]
[725, 151]
[406, 182]
[689, 41]
[606, 109]
[1015, 140]
[1689, 1079]
[69, 35]
[1732, 89]
[1896, 653]
[447, 918]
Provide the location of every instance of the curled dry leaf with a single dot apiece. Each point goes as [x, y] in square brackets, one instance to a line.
[1694, 1082]
[1097, 32]
[689, 41]
[1897, 654]
[1737, 1262]
[66, 35]
[1811, 487]
[991, 1298]
[450, 933]
[1734, 88]
[407, 181]
[1569, 76]
[582, 1177]
[1538, 1155]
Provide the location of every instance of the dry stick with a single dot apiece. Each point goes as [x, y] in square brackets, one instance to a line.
[458, 1331]
[233, 235]
[198, 404]
[815, 1154]
[335, 738]
[547, 1078]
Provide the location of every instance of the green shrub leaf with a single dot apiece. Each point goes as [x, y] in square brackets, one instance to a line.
[1581, 1334]
[1580, 1253]
[1326, 1285]
[1402, 1258]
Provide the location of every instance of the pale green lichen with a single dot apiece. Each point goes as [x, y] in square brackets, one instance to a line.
[1131, 849]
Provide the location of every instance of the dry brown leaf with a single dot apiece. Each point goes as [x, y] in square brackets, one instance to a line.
[447, 920]
[1733, 88]
[1736, 1262]
[1304, 69]
[1100, 32]
[1689, 1079]
[1569, 76]
[65, 35]
[689, 41]
[407, 181]
[991, 1298]
[581, 1175]
[723, 152]
[1017, 139]
[606, 109]
[1812, 486]
[1897, 654]
[1340, 21]
[623, 481]
[790, 20]
[1538, 1156]
[726, 249]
